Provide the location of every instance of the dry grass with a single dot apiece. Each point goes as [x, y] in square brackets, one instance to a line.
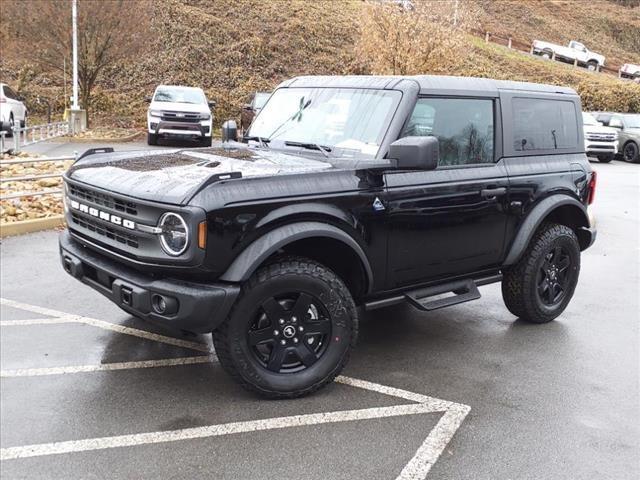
[233, 48]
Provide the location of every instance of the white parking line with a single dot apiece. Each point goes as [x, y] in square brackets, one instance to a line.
[39, 321]
[167, 362]
[211, 431]
[63, 317]
[417, 468]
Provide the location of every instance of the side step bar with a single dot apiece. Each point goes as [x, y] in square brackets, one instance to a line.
[463, 291]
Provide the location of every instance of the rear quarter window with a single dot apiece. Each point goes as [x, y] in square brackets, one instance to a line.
[544, 125]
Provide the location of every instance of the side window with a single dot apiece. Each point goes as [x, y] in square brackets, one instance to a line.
[463, 127]
[540, 124]
[9, 93]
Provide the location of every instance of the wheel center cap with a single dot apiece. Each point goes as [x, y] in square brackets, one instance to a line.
[289, 331]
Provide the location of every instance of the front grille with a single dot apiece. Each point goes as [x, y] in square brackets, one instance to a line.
[105, 231]
[104, 200]
[601, 137]
[180, 117]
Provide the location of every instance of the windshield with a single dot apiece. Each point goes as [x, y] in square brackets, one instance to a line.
[341, 121]
[589, 119]
[179, 95]
[632, 121]
[260, 100]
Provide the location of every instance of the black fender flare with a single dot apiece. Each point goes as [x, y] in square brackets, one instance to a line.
[535, 217]
[256, 253]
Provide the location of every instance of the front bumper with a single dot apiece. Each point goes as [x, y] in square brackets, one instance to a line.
[195, 307]
[158, 126]
[601, 148]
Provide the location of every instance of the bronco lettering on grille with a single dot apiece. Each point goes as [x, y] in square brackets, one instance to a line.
[94, 212]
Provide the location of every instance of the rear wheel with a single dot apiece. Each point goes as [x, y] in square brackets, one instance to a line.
[630, 153]
[539, 287]
[592, 66]
[547, 54]
[152, 139]
[291, 330]
[12, 123]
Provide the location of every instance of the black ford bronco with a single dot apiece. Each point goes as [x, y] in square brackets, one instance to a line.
[348, 194]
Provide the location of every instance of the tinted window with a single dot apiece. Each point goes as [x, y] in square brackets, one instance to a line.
[544, 124]
[463, 127]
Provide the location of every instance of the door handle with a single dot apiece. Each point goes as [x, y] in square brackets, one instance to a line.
[493, 192]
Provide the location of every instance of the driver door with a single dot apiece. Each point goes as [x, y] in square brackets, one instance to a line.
[449, 221]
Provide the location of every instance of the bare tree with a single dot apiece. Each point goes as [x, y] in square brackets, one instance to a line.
[402, 38]
[108, 31]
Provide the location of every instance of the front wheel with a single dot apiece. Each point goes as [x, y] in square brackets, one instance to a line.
[540, 285]
[605, 158]
[291, 330]
[205, 142]
[152, 139]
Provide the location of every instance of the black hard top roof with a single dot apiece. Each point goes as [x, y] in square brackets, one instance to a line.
[446, 85]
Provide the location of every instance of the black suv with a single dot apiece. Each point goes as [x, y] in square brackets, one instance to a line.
[353, 193]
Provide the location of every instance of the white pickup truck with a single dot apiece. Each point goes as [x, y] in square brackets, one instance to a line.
[574, 51]
[630, 70]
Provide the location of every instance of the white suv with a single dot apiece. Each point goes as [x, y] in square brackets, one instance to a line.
[12, 110]
[599, 141]
[177, 111]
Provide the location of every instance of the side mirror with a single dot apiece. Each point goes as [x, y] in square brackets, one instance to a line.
[415, 153]
[229, 131]
[211, 103]
[147, 99]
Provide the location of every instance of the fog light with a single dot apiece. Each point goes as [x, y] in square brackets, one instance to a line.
[159, 304]
[164, 305]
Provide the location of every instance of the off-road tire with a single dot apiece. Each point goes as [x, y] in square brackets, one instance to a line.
[152, 139]
[205, 142]
[519, 288]
[592, 66]
[288, 274]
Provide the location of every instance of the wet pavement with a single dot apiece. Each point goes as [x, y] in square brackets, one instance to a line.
[559, 400]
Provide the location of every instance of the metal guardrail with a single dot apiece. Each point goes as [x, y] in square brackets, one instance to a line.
[23, 136]
[33, 177]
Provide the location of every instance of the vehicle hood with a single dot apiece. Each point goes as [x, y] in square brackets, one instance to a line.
[173, 177]
[180, 107]
[598, 129]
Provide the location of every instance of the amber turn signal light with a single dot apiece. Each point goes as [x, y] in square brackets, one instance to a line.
[202, 235]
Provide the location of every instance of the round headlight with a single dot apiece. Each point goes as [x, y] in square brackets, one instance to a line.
[174, 237]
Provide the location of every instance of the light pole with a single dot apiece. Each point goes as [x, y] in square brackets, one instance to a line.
[74, 16]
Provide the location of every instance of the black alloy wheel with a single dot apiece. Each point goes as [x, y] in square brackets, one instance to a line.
[630, 153]
[289, 333]
[554, 276]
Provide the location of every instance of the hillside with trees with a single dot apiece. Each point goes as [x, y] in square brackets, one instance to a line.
[232, 48]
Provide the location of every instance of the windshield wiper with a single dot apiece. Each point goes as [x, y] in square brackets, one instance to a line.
[310, 146]
[296, 116]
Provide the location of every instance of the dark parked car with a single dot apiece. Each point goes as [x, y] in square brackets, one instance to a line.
[628, 126]
[353, 193]
[251, 109]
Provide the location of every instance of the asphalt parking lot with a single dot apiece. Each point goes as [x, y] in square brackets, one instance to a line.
[467, 392]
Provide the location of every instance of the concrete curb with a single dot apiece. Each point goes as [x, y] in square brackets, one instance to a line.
[129, 138]
[28, 226]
